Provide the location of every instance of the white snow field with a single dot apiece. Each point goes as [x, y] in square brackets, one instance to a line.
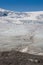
[22, 31]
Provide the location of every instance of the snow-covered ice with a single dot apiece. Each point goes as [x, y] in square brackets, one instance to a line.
[21, 30]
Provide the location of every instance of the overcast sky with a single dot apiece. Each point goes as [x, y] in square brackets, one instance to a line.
[22, 5]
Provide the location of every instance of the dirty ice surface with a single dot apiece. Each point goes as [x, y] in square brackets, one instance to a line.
[22, 31]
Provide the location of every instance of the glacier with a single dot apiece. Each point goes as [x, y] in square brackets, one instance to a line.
[22, 31]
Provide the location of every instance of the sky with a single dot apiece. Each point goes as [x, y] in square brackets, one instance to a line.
[22, 5]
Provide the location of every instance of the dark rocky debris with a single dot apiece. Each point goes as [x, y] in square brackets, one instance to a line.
[18, 58]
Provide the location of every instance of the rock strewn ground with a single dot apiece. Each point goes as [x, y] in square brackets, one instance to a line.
[18, 58]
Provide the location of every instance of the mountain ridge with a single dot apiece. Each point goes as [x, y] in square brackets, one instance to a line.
[37, 15]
